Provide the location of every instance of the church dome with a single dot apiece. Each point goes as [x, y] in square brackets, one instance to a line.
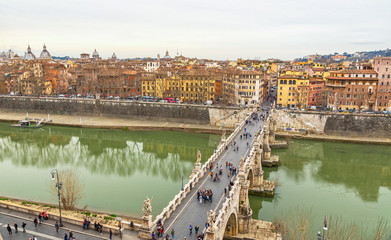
[95, 54]
[114, 56]
[167, 56]
[45, 53]
[29, 55]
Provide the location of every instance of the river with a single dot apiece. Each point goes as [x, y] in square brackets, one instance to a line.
[117, 168]
[352, 181]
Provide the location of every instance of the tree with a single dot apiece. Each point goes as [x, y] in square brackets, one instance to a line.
[72, 189]
[301, 96]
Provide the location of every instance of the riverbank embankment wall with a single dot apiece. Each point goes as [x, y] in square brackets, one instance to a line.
[341, 124]
[181, 113]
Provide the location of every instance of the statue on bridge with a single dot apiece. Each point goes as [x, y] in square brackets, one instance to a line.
[223, 135]
[147, 208]
[211, 217]
[198, 157]
[241, 163]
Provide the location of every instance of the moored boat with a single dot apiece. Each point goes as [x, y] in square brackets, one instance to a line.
[30, 123]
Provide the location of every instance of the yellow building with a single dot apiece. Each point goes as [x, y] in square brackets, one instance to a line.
[293, 90]
[193, 86]
[197, 86]
[148, 84]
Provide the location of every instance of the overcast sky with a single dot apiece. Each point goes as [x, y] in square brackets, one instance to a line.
[216, 29]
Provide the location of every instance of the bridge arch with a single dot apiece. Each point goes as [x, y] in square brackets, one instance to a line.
[231, 226]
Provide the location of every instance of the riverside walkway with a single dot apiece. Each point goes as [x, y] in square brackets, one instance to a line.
[190, 211]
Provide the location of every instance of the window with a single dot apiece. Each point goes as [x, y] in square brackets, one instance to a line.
[355, 96]
[290, 81]
[388, 76]
[280, 93]
[280, 88]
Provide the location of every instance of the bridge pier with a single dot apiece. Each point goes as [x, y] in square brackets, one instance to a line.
[245, 212]
[272, 136]
[273, 143]
[257, 166]
[268, 160]
[145, 231]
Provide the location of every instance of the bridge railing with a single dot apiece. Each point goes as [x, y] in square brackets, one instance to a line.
[173, 204]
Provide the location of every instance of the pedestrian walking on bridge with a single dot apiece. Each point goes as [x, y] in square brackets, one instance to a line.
[191, 229]
[9, 230]
[56, 226]
[173, 234]
[24, 226]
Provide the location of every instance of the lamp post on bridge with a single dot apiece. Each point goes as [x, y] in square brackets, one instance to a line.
[58, 186]
[182, 182]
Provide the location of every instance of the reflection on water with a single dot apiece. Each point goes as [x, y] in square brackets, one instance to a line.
[361, 168]
[339, 179]
[151, 161]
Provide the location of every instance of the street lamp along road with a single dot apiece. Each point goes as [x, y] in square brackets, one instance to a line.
[58, 186]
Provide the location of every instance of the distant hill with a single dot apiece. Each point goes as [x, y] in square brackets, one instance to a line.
[364, 55]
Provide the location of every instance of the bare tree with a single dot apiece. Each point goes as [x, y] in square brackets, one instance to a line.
[72, 189]
[296, 224]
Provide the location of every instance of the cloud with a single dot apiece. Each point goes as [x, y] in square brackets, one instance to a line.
[218, 29]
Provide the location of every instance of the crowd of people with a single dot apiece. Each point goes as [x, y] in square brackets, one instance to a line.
[204, 195]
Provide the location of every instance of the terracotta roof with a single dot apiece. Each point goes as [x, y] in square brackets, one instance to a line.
[288, 77]
[352, 78]
[355, 71]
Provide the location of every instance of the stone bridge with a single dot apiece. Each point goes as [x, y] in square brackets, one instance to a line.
[235, 215]
[229, 214]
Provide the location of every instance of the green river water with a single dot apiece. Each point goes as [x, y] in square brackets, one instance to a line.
[350, 181]
[120, 168]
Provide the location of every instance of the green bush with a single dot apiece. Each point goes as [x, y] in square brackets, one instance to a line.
[86, 213]
[4, 199]
[31, 203]
[113, 215]
[108, 218]
[49, 206]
